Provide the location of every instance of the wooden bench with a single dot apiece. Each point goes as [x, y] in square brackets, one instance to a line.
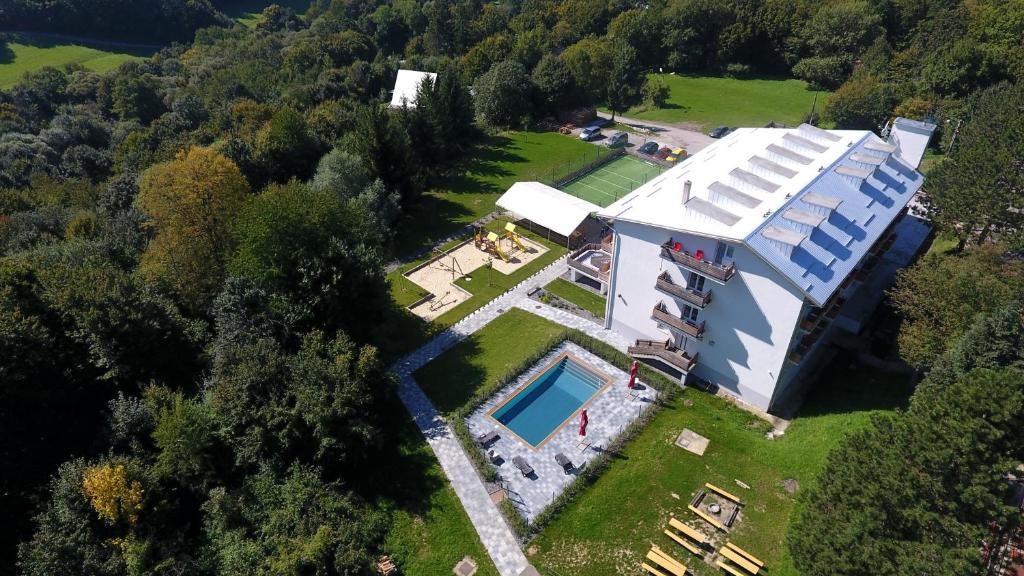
[739, 560]
[697, 536]
[744, 553]
[707, 518]
[729, 569]
[698, 498]
[721, 492]
[665, 564]
[668, 562]
[652, 569]
[684, 543]
[732, 516]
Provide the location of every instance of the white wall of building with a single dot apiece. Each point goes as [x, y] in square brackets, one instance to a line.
[749, 322]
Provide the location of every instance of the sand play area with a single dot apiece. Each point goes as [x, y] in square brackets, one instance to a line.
[438, 275]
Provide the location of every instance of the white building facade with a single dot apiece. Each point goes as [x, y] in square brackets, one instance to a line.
[730, 265]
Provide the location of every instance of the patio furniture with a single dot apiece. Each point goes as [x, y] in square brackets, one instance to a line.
[721, 492]
[732, 517]
[487, 438]
[564, 462]
[739, 560]
[666, 561]
[652, 570]
[524, 467]
[729, 569]
[684, 543]
[694, 535]
[744, 553]
[706, 517]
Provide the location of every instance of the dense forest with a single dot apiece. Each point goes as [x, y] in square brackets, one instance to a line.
[185, 384]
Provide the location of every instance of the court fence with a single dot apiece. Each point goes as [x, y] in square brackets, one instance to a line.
[565, 172]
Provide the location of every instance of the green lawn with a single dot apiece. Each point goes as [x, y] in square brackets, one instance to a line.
[451, 379]
[579, 296]
[710, 101]
[250, 12]
[609, 528]
[496, 164]
[27, 54]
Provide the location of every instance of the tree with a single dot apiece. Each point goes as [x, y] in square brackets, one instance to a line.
[976, 191]
[190, 201]
[502, 95]
[136, 97]
[555, 84]
[691, 33]
[915, 493]
[655, 92]
[284, 147]
[382, 142]
[590, 60]
[864, 102]
[623, 88]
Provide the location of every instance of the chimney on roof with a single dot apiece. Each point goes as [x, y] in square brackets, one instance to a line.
[686, 191]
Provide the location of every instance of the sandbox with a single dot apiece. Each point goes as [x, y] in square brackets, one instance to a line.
[438, 275]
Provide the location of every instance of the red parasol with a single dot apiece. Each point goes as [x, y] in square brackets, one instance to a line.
[584, 419]
[632, 375]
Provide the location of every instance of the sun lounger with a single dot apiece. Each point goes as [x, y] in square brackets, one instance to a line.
[487, 438]
[520, 463]
[684, 543]
[744, 553]
[707, 518]
[739, 560]
[723, 493]
[693, 534]
[666, 564]
[564, 462]
[652, 570]
[729, 569]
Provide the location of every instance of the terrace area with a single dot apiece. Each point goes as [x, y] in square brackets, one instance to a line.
[665, 352]
[673, 252]
[690, 328]
[593, 262]
[665, 285]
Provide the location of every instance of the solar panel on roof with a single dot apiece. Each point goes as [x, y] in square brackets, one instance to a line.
[708, 209]
[867, 158]
[772, 166]
[787, 237]
[822, 200]
[789, 154]
[801, 141]
[754, 180]
[803, 217]
[734, 194]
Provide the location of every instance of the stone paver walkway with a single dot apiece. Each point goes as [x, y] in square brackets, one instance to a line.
[497, 537]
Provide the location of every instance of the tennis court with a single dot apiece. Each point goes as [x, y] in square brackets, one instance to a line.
[612, 181]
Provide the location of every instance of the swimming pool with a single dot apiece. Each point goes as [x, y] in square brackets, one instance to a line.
[541, 406]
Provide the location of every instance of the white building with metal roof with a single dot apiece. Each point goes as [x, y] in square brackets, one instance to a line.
[731, 265]
[407, 86]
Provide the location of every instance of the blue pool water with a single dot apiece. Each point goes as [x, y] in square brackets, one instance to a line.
[537, 410]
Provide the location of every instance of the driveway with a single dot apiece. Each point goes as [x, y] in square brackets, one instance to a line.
[672, 135]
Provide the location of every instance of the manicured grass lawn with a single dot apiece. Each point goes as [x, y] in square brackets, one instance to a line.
[710, 101]
[497, 163]
[405, 331]
[24, 57]
[579, 296]
[429, 530]
[609, 528]
[451, 379]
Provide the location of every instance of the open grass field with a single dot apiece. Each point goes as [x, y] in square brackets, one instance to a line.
[497, 163]
[608, 529]
[613, 180]
[579, 296]
[709, 101]
[29, 52]
[249, 12]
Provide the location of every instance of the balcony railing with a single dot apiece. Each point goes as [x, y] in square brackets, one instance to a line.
[661, 314]
[719, 272]
[585, 267]
[666, 352]
[666, 285]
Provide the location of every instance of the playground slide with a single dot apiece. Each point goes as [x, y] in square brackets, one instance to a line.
[515, 238]
[501, 252]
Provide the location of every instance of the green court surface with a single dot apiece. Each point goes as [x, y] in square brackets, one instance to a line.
[613, 180]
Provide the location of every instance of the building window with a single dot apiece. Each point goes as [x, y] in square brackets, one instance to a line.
[695, 282]
[724, 254]
[690, 313]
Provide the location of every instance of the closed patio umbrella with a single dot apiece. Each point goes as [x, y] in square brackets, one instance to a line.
[584, 420]
[632, 375]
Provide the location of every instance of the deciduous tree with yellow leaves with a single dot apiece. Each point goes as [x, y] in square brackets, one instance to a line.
[111, 494]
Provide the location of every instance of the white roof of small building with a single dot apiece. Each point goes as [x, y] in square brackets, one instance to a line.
[911, 139]
[407, 85]
[546, 206]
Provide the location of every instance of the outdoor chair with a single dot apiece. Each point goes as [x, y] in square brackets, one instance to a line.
[487, 438]
[524, 467]
[564, 462]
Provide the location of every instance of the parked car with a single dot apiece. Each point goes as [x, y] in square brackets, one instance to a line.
[719, 132]
[676, 155]
[663, 153]
[617, 139]
[648, 148]
[590, 133]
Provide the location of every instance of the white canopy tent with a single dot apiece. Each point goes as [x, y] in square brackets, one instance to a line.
[407, 85]
[547, 207]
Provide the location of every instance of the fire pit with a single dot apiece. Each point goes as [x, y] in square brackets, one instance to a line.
[714, 509]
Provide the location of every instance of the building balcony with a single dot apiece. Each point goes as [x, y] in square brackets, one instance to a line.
[718, 272]
[665, 285]
[661, 314]
[665, 352]
[592, 260]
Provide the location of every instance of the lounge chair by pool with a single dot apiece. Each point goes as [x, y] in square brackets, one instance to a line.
[521, 463]
[487, 438]
[564, 462]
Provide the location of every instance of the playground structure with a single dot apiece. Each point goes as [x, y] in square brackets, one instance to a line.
[505, 253]
[492, 243]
